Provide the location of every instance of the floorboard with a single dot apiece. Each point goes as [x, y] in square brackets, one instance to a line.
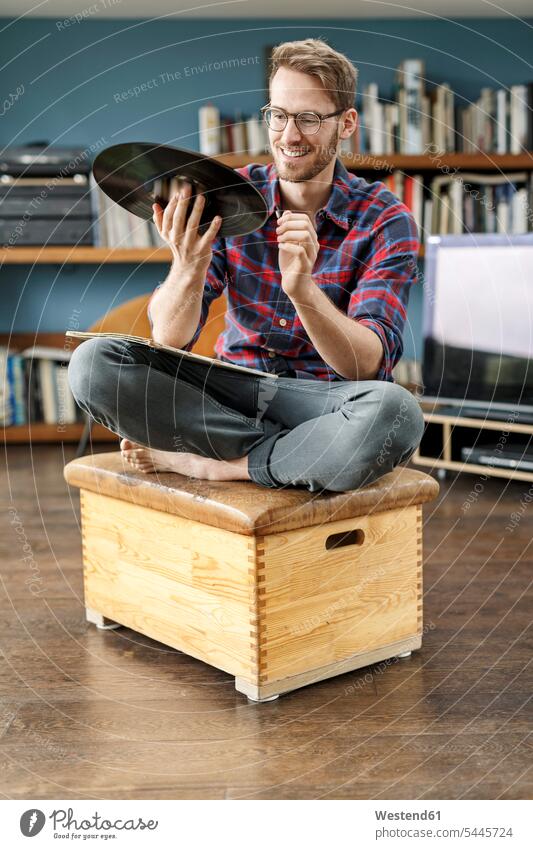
[97, 715]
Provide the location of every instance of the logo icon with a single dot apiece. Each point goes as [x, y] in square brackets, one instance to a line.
[32, 822]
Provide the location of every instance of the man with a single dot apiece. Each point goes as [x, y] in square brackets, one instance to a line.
[318, 296]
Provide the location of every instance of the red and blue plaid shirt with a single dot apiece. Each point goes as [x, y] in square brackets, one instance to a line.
[366, 265]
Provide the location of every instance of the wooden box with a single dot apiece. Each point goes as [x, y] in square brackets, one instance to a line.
[279, 588]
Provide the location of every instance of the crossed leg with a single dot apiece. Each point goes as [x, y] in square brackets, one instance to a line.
[215, 424]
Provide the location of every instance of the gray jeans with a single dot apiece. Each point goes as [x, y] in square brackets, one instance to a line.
[337, 436]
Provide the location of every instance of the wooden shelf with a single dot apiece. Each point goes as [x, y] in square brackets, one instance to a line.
[40, 432]
[462, 161]
[471, 468]
[478, 424]
[64, 255]
[444, 462]
[86, 256]
[406, 162]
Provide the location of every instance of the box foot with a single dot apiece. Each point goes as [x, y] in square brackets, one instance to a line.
[256, 692]
[101, 621]
[404, 654]
[266, 699]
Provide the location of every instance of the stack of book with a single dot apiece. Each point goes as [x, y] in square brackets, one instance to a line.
[409, 188]
[479, 203]
[466, 202]
[409, 123]
[238, 134]
[243, 135]
[115, 227]
[34, 387]
[500, 121]
[415, 121]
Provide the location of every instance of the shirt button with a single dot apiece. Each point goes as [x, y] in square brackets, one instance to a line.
[283, 321]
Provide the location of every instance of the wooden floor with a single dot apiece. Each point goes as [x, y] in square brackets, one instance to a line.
[98, 715]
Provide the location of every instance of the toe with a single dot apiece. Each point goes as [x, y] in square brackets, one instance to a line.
[128, 445]
[145, 467]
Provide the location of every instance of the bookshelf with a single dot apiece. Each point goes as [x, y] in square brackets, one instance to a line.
[363, 163]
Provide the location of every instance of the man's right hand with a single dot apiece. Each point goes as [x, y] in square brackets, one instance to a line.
[191, 252]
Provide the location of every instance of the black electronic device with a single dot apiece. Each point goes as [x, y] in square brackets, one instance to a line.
[45, 197]
[478, 308]
[517, 457]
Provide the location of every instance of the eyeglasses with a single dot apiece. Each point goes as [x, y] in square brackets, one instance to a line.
[308, 123]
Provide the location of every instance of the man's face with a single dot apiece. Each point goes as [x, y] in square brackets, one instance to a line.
[295, 92]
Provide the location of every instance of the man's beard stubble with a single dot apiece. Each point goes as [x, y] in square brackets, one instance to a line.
[326, 152]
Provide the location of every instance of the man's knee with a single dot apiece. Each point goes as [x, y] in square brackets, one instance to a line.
[401, 423]
[88, 372]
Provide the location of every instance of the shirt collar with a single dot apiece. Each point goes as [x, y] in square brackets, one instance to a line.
[337, 202]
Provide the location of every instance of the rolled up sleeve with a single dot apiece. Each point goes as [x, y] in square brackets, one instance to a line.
[381, 295]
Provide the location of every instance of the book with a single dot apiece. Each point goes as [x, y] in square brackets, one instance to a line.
[257, 141]
[19, 388]
[502, 120]
[66, 405]
[151, 343]
[48, 391]
[34, 407]
[519, 119]
[410, 80]
[208, 127]
[46, 352]
[116, 227]
[373, 118]
[479, 203]
[239, 134]
[8, 391]
[418, 199]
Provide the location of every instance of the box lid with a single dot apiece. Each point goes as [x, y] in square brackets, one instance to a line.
[243, 506]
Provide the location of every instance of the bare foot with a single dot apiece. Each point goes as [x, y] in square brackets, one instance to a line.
[149, 460]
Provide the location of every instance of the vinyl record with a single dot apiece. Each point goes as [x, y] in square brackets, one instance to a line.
[138, 174]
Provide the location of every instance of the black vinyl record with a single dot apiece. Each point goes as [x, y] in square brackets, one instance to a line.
[138, 174]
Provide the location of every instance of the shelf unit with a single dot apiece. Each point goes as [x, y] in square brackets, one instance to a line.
[438, 451]
[360, 162]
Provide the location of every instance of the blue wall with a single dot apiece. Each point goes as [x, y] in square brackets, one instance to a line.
[76, 80]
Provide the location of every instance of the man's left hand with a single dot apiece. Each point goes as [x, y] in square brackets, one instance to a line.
[298, 250]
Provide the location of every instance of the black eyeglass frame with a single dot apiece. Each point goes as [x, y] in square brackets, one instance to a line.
[296, 115]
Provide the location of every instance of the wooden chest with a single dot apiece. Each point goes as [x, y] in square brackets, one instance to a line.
[279, 588]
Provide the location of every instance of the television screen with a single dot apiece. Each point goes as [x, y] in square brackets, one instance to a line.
[478, 320]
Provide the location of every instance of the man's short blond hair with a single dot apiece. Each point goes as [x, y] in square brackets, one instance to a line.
[313, 56]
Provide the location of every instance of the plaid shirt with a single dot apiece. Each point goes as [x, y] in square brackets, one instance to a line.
[366, 264]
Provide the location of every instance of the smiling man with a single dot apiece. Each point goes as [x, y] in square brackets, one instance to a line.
[318, 296]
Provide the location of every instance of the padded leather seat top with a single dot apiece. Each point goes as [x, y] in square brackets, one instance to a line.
[243, 506]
